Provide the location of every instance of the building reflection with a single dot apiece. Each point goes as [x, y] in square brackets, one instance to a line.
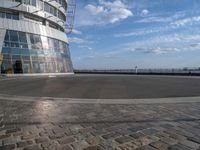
[18, 67]
[30, 53]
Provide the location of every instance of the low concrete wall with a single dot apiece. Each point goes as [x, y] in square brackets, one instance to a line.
[142, 72]
[39, 74]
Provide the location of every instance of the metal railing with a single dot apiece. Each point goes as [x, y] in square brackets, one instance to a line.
[176, 71]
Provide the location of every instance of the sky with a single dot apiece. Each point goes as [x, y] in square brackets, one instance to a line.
[122, 34]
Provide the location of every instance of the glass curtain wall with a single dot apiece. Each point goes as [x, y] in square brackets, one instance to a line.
[31, 53]
[47, 7]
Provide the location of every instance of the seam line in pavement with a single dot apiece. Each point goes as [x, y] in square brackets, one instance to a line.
[102, 101]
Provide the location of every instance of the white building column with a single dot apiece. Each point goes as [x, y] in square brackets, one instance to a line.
[2, 36]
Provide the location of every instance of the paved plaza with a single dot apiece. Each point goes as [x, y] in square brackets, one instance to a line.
[103, 86]
[49, 123]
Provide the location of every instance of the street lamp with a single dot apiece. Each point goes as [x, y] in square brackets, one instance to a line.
[136, 69]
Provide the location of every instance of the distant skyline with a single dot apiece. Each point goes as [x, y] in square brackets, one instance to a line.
[122, 34]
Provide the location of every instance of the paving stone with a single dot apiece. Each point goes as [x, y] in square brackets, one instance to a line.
[64, 147]
[97, 132]
[18, 134]
[29, 136]
[168, 126]
[195, 139]
[4, 136]
[11, 140]
[189, 144]
[79, 145]
[56, 136]
[176, 136]
[76, 127]
[111, 135]
[137, 135]
[169, 141]
[51, 145]
[110, 145]
[124, 131]
[183, 132]
[135, 129]
[94, 140]
[32, 147]
[93, 148]
[66, 140]
[115, 127]
[46, 133]
[149, 131]
[87, 129]
[178, 147]
[146, 147]
[58, 130]
[12, 130]
[193, 130]
[24, 143]
[41, 140]
[159, 145]
[153, 138]
[128, 146]
[143, 141]
[123, 139]
[7, 147]
[198, 148]
[162, 135]
[70, 133]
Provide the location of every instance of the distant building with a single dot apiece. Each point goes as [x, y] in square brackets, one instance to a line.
[33, 38]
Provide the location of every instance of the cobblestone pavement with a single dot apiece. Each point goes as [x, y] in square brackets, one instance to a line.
[54, 125]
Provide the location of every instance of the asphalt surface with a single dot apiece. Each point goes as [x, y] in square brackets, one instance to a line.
[102, 86]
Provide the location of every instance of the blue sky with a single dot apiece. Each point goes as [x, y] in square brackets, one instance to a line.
[122, 34]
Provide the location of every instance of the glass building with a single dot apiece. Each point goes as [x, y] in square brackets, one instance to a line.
[33, 38]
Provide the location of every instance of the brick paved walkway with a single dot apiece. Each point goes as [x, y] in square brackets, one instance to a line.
[52, 125]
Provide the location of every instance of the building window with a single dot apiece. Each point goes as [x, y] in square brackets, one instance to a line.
[22, 40]
[45, 44]
[18, 1]
[52, 10]
[62, 3]
[7, 40]
[31, 53]
[36, 42]
[14, 39]
[13, 16]
[30, 2]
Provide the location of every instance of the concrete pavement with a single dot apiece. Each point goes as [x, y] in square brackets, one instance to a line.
[103, 86]
[97, 112]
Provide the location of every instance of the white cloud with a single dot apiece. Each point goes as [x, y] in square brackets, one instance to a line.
[157, 50]
[79, 40]
[186, 21]
[76, 40]
[145, 12]
[165, 44]
[137, 32]
[161, 18]
[104, 13]
[94, 10]
[155, 19]
[76, 32]
[85, 47]
[171, 23]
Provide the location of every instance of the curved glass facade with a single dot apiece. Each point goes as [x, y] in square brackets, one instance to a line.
[34, 2]
[33, 38]
[31, 53]
[47, 7]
